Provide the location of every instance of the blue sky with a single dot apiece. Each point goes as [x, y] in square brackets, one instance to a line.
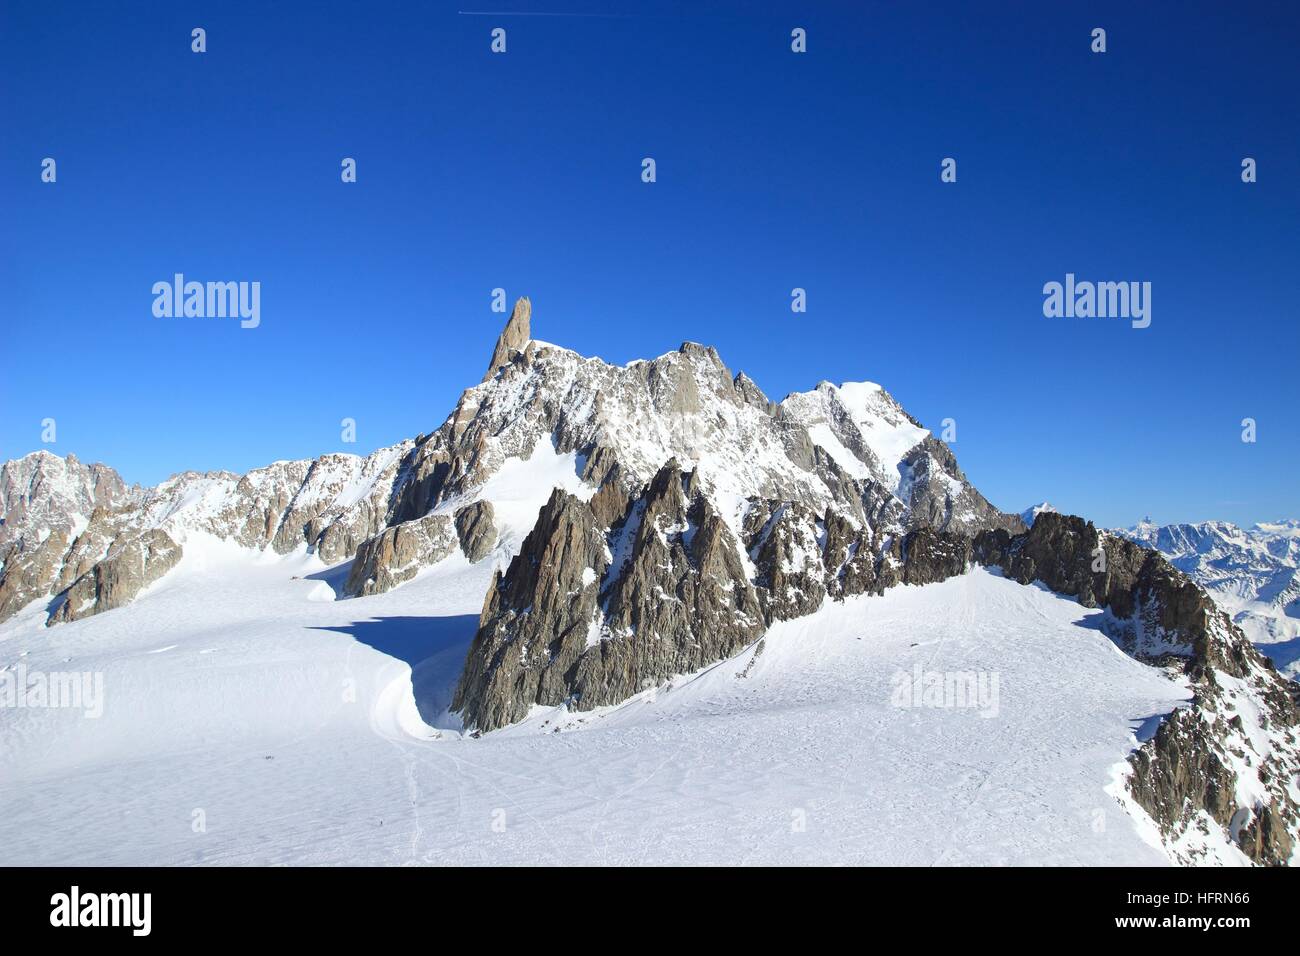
[775, 170]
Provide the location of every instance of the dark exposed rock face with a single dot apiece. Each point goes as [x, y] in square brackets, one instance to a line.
[679, 600]
[1193, 773]
[1070, 556]
[783, 543]
[397, 554]
[1181, 764]
[27, 574]
[42, 497]
[1185, 770]
[536, 618]
[592, 616]
[751, 394]
[928, 556]
[850, 558]
[129, 568]
[610, 502]
[477, 530]
[939, 496]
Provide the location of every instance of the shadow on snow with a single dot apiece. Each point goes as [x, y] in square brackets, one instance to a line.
[434, 647]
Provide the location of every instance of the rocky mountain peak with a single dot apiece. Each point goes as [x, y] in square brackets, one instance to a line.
[751, 394]
[849, 449]
[513, 337]
[42, 487]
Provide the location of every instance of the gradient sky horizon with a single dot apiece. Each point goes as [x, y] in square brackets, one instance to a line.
[775, 170]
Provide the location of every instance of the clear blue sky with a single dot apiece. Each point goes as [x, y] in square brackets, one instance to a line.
[775, 170]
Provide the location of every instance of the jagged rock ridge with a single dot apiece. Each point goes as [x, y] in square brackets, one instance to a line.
[882, 470]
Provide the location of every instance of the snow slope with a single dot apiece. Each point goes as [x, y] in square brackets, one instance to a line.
[285, 723]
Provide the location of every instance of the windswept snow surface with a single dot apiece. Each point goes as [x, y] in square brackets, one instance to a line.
[246, 720]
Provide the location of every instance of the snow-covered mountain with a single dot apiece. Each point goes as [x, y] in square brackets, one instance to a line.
[77, 536]
[1252, 573]
[1029, 514]
[579, 539]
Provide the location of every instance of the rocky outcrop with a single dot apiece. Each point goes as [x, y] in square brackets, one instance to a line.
[927, 556]
[27, 574]
[62, 518]
[476, 529]
[851, 557]
[536, 619]
[751, 394]
[44, 499]
[1208, 775]
[129, 568]
[676, 598]
[610, 502]
[513, 337]
[397, 554]
[590, 616]
[1204, 777]
[939, 496]
[42, 491]
[782, 539]
[801, 559]
[1253, 574]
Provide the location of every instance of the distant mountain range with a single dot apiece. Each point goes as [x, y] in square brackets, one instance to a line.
[1253, 574]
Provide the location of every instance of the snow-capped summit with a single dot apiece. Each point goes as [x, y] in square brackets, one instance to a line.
[1289, 528]
[867, 433]
[1029, 514]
